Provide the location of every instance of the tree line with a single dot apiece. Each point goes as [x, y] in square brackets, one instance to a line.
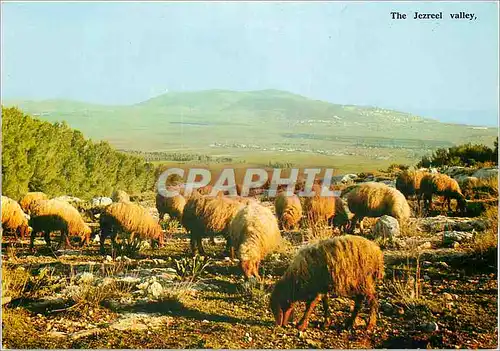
[55, 159]
[468, 155]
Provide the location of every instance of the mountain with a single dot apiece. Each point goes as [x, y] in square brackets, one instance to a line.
[222, 122]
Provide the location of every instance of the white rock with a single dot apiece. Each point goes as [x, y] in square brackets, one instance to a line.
[101, 201]
[386, 230]
[486, 173]
[109, 258]
[450, 237]
[155, 290]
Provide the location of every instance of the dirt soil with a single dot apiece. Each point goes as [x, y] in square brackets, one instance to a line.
[456, 307]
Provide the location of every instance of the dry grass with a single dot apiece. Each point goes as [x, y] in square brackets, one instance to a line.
[14, 282]
[483, 242]
[407, 289]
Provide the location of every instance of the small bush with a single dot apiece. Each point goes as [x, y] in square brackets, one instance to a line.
[189, 269]
[171, 225]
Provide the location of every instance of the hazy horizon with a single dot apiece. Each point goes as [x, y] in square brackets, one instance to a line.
[343, 53]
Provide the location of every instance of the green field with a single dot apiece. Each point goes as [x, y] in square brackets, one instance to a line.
[259, 127]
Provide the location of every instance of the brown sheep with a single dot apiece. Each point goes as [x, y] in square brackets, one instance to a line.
[13, 218]
[254, 233]
[54, 215]
[408, 182]
[120, 196]
[442, 185]
[130, 218]
[345, 266]
[317, 208]
[173, 205]
[206, 216]
[340, 219]
[373, 199]
[288, 210]
[30, 198]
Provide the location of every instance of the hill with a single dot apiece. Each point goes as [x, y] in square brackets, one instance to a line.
[258, 124]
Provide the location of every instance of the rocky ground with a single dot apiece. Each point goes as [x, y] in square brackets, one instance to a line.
[438, 292]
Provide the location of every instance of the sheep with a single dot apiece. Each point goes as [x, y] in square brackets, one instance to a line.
[319, 208]
[253, 233]
[373, 199]
[345, 266]
[13, 218]
[408, 182]
[205, 216]
[288, 210]
[340, 219]
[173, 205]
[130, 218]
[54, 215]
[30, 198]
[443, 185]
[120, 196]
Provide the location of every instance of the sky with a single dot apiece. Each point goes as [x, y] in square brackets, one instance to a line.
[341, 52]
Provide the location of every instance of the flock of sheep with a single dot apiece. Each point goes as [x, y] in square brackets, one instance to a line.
[345, 265]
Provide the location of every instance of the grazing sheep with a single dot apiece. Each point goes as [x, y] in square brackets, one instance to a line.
[173, 205]
[288, 210]
[13, 218]
[130, 218]
[205, 216]
[120, 196]
[442, 185]
[30, 198]
[54, 215]
[375, 200]
[408, 182]
[340, 219]
[254, 233]
[345, 266]
[317, 208]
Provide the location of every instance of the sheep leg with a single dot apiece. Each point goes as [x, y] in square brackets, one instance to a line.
[326, 310]
[32, 239]
[373, 303]
[67, 244]
[428, 199]
[229, 248]
[309, 308]
[194, 248]
[101, 242]
[287, 315]
[256, 269]
[361, 228]
[46, 236]
[113, 243]
[353, 224]
[200, 246]
[448, 199]
[358, 301]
